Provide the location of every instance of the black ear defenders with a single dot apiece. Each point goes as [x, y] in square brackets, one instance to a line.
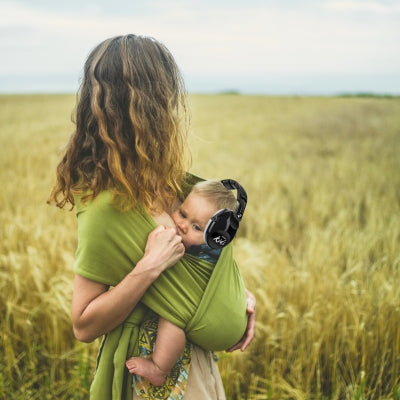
[223, 225]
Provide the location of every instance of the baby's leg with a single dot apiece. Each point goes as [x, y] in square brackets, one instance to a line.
[169, 345]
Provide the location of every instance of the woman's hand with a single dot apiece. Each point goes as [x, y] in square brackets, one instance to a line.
[164, 248]
[251, 324]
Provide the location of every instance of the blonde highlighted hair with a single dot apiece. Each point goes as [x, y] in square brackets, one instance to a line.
[131, 127]
[217, 193]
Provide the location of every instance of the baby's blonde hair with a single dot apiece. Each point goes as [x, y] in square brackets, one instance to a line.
[217, 193]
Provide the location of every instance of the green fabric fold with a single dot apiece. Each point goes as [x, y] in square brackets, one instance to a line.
[207, 301]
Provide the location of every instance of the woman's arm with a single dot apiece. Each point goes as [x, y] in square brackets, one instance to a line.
[251, 324]
[97, 310]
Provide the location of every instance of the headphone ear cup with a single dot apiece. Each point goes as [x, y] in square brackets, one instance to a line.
[218, 232]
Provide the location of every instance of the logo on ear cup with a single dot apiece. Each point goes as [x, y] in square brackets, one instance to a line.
[220, 240]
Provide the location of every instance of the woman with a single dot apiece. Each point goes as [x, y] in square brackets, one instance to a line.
[125, 165]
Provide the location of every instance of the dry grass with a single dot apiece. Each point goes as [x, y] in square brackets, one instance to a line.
[319, 245]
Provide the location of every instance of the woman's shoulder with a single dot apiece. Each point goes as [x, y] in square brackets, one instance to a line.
[101, 202]
[188, 182]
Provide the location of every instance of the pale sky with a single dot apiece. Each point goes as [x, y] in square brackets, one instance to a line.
[252, 46]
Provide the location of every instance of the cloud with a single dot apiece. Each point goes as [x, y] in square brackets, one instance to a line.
[375, 7]
[226, 40]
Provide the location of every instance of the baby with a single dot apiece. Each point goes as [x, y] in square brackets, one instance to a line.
[190, 219]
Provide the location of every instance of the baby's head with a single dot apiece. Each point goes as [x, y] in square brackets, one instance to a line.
[205, 199]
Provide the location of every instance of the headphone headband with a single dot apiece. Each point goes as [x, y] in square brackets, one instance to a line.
[241, 195]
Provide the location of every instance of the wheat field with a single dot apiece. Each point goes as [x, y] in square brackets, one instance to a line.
[319, 245]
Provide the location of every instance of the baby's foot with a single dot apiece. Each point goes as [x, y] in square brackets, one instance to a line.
[147, 369]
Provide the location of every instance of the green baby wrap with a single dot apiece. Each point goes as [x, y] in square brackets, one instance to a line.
[207, 301]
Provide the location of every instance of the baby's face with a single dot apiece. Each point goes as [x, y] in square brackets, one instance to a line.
[192, 217]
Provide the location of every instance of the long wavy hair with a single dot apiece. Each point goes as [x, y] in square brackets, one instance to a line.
[131, 127]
